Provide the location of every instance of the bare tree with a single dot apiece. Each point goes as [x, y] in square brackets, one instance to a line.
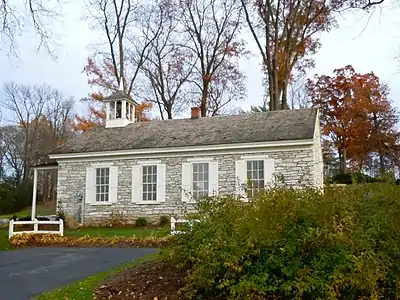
[42, 115]
[226, 87]
[212, 28]
[11, 141]
[285, 35]
[168, 67]
[126, 27]
[39, 14]
[297, 94]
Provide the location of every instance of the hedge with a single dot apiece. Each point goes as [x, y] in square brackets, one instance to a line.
[295, 244]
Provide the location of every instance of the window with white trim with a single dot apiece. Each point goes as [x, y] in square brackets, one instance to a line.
[200, 180]
[255, 174]
[149, 183]
[102, 184]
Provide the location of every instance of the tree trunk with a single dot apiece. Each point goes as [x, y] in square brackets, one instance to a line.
[382, 167]
[342, 161]
[204, 96]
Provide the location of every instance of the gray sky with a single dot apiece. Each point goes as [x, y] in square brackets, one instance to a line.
[367, 45]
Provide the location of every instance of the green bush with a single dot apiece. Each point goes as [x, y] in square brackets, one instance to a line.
[164, 221]
[141, 222]
[14, 196]
[287, 244]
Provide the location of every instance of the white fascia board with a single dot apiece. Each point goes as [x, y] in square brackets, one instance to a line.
[182, 150]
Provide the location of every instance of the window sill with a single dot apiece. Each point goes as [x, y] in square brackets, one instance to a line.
[101, 203]
[148, 202]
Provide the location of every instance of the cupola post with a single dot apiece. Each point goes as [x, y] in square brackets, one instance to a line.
[120, 108]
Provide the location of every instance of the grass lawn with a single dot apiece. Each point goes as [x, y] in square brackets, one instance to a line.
[4, 245]
[41, 209]
[83, 290]
[109, 232]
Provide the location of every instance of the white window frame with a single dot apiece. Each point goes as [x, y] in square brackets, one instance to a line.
[187, 178]
[197, 194]
[252, 190]
[241, 172]
[151, 183]
[137, 182]
[106, 186]
[90, 189]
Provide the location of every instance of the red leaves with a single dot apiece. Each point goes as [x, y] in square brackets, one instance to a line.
[104, 77]
[356, 112]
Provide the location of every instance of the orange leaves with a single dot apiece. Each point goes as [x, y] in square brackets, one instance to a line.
[355, 111]
[36, 240]
[142, 111]
[104, 77]
[96, 115]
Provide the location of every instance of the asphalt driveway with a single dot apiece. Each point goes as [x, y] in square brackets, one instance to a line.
[27, 272]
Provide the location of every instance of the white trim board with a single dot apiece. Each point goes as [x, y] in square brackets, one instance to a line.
[189, 151]
[45, 168]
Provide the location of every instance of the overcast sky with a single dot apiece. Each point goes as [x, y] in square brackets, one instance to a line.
[367, 45]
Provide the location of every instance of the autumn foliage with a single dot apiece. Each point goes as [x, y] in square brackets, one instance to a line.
[103, 76]
[96, 113]
[356, 116]
[36, 240]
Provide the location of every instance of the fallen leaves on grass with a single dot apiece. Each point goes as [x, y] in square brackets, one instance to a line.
[158, 280]
[29, 239]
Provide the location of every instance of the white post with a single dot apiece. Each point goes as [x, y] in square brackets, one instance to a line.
[61, 227]
[34, 192]
[108, 111]
[172, 224]
[11, 228]
[123, 112]
[35, 226]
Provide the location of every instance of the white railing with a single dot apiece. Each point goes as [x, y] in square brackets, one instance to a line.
[36, 224]
[174, 221]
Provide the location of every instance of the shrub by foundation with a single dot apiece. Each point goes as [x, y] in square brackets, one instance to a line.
[141, 222]
[294, 244]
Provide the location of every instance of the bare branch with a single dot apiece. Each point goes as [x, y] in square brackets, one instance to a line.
[212, 28]
[36, 14]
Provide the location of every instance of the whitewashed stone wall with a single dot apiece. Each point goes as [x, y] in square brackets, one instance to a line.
[295, 167]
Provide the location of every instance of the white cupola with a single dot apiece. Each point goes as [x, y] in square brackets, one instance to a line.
[120, 109]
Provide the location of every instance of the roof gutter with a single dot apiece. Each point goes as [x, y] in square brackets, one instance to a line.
[182, 150]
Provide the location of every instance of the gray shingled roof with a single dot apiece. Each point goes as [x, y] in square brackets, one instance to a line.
[119, 95]
[243, 128]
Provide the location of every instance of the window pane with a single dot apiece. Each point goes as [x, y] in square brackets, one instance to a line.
[249, 165]
[149, 182]
[255, 172]
[102, 184]
[200, 180]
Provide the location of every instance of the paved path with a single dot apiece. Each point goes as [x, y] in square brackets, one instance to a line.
[31, 271]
